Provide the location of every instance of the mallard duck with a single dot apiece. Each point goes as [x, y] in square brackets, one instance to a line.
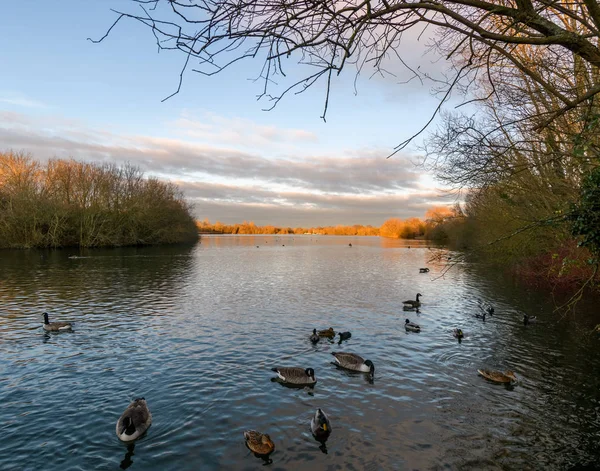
[296, 375]
[411, 326]
[55, 326]
[134, 421]
[314, 338]
[458, 334]
[423, 270]
[320, 425]
[329, 333]
[529, 319]
[259, 443]
[412, 303]
[354, 362]
[498, 377]
[344, 335]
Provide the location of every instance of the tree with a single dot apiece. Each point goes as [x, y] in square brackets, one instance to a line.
[478, 37]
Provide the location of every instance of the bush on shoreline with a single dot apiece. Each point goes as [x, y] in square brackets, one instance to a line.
[64, 203]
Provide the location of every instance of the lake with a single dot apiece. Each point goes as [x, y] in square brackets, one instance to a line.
[196, 330]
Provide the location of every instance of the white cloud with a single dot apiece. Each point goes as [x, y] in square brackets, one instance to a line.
[18, 99]
[357, 186]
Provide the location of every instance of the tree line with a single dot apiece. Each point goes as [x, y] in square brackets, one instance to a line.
[411, 228]
[63, 203]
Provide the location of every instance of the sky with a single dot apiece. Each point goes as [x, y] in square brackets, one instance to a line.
[62, 96]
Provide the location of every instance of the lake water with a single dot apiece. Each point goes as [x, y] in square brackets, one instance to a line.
[195, 330]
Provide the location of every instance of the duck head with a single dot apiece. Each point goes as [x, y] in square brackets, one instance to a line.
[322, 420]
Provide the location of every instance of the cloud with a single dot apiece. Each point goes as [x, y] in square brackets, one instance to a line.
[357, 186]
[18, 99]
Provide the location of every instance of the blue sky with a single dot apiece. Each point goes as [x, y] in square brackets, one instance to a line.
[63, 96]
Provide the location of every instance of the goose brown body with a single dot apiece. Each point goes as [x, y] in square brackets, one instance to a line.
[134, 421]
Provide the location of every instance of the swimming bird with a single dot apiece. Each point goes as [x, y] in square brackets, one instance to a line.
[490, 310]
[481, 316]
[498, 376]
[344, 335]
[349, 245]
[134, 421]
[411, 326]
[413, 303]
[458, 334]
[423, 270]
[259, 443]
[314, 338]
[55, 326]
[354, 362]
[329, 333]
[296, 375]
[320, 425]
[529, 319]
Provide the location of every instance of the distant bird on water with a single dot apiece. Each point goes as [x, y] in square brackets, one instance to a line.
[320, 425]
[423, 270]
[344, 336]
[55, 326]
[411, 326]
[134, 421]
[413, 303]
[529, 319]
[314, 338]
[296, 375]
[352, 361]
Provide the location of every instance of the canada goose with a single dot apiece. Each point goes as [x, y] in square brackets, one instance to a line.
[352, 361]
[314, 338]
[259, 443]
[329, 333]
[134, 421]
[320, 425]
[413, 303]
[344, 335]
[458, 334]
[498, 377]
[529, 319]
[481, 316]
[295, 375]
[55, 326]
[423, 270]
[411, 326]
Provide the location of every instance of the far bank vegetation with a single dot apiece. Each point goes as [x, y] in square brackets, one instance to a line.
[412, 228]
[62, 203]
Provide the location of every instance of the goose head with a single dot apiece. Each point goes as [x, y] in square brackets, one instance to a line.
[418, 296]
[128, 426]
[46, 321]
[371, 366]
[310, 373]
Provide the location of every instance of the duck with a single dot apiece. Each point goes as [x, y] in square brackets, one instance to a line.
[458, 334]
[490, 310]
[320, 425]
[296, 375]
[498, 376]
[413, 303]
[344, 335]
[134, 421]
[259, 443]
[329, 333]
[354, 362]
[423, 270]
[314, 338]
[349, 245]
[529, 319]
[411, 326]
[55, 326]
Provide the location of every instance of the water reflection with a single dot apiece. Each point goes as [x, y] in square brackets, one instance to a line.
[127, 461]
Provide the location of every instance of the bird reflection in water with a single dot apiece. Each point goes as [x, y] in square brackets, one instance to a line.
[127, 461]
[309, 388]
